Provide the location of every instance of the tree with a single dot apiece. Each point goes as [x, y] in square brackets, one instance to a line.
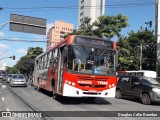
[125, 58]
[134, 41]
[104, 26]
[26, 63]
[86, 27]
[34, 52]
[110, 26]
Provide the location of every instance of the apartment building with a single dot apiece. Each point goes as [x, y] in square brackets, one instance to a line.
[90, 8]
[57, 32]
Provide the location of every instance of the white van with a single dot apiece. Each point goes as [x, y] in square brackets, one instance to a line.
[146, 73]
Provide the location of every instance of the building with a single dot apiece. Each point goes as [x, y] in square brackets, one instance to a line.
[3, 66]
[57, 32]
[90, 8]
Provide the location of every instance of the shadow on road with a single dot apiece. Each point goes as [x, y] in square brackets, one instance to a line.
[74, 101]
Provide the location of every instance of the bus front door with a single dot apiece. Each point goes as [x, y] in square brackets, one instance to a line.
[62, 60]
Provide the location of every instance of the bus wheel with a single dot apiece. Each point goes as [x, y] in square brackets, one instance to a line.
[55, 96]
[118, 94]
[38, 87]
[145, 99]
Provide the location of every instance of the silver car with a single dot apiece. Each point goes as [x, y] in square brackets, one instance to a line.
[18, 80]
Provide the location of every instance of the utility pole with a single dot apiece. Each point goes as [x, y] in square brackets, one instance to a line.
[140, 66]
[157, 32]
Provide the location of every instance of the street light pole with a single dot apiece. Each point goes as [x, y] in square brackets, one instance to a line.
[2, 25]
[140, 57]
[8, 57]
[157, 32]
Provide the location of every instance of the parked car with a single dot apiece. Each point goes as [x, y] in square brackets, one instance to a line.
[18, 80]
[145, 88]
[158, 79]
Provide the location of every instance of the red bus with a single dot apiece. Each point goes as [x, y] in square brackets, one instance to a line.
[78, 66]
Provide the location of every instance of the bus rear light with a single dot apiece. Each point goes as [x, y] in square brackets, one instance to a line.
[110, 86]
[113, 85]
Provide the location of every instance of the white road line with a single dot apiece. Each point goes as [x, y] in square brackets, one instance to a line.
[3, 99]
[7, 109]
[3, 86]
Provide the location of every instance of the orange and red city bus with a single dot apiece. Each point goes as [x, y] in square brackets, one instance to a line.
[78, 66]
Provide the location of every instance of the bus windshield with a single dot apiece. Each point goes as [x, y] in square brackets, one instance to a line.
[84, 59]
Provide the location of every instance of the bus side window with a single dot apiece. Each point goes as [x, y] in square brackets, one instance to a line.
[49, 59]
[55, 61]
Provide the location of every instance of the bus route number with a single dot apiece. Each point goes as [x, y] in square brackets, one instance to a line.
[102, 83]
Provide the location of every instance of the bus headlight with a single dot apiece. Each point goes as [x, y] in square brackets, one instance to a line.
[69, 82]
[156, 90]
[73, 84]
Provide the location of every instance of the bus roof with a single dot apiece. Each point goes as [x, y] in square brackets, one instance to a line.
[69, 42]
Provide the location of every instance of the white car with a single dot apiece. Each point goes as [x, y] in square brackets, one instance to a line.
[18, 80]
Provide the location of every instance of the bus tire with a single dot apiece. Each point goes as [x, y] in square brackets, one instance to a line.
[55, 95]
[38, 87]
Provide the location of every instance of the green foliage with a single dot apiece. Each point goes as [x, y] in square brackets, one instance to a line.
[26, 63]
[104, 26]
[86, 27]
[34, 52]
[129, 51]
[110, 26]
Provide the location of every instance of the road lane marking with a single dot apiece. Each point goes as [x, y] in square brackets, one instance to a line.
[7, 109]
[3, 99]
[3, 86]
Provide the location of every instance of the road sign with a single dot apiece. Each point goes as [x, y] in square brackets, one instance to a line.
[27, 24]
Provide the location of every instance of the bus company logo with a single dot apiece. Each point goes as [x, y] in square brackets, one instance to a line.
[84, 82]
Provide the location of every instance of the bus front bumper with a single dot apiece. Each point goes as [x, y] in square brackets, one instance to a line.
[71, 91]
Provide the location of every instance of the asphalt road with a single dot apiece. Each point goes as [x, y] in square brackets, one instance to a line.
[29, 99]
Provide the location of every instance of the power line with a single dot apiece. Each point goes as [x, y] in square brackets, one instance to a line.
[31, 41]
[70, 7]
[41, 41]
[46, 8]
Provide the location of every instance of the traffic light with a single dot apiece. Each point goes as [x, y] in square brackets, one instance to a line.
[14, 57]
[150, 24]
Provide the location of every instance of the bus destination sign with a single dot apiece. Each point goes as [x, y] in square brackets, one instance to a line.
[94, 42]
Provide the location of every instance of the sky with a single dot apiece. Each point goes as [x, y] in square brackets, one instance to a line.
[138, 12]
